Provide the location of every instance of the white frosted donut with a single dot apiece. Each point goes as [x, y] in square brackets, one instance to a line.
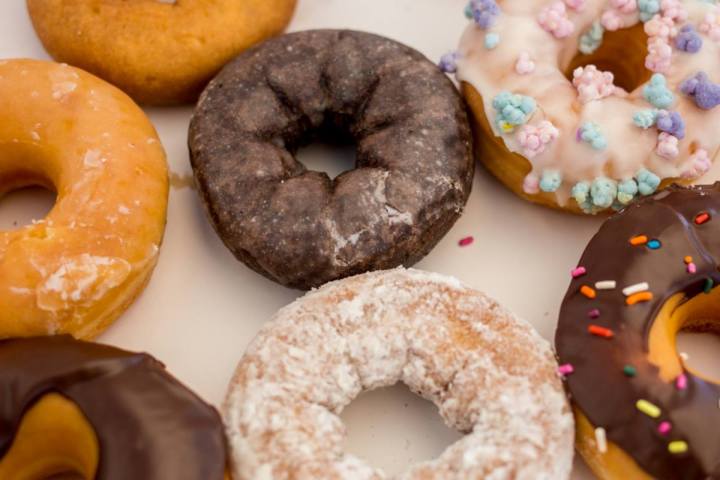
[490, 375]
[583, 135]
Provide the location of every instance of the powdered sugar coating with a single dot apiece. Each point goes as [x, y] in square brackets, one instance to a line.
[490, 374]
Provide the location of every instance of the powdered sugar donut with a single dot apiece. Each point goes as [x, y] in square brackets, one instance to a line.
[588, 104]
[490, 375]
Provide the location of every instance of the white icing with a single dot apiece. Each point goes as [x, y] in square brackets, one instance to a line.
[491, 376]
[630, 148]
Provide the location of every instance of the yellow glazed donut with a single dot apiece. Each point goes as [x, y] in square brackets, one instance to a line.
[159, 52]
[79, 268]
[587, 105]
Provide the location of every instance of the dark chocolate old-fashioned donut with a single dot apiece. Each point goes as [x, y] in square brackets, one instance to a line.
[298, 227]
[648, 273]
[147, 425]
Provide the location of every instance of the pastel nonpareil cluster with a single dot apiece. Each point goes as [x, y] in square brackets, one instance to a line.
[593, 84]
[603, 192]
[671, 123]
[702, 90]
[648, 9]
[484, 12]
[659, 26]
[554, 19]
[657, 93]
[534, 139]
[711, 26]
[512, 110]
[697, 165]
[688, 40]
[659, 57]
[668, 145]
[591, 40]
[525, 65]
[674, 10]
[613, 18]
[448, 62]
[590, 133]
[550, 181]
[645, 118]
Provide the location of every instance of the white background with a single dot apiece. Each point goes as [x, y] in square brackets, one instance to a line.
[202, 307]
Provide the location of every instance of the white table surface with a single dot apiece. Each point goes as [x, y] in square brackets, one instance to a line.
[202, 307]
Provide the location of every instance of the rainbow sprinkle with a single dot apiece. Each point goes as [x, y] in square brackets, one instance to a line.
[588, 292]
[664, 428]
[466, 241]
[638, 240]
[601, 439]
[578, 272]
[681, 382]
[629, 371]
[639, 297]
[637, 288]
[565, 369]
[605, 285]
[677, 446]
[594, 313]
[701, 218]
[649, 409]
[601, 331]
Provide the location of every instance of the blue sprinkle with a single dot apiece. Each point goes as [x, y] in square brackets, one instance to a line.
[492, 40]
[645, 118]
[550, 181]
[654, 244]
[657, 93]
[648, 9]
[591, 40]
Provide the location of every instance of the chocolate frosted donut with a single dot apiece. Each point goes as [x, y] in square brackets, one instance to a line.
[147, 425]
[647, 274]
[298, 227]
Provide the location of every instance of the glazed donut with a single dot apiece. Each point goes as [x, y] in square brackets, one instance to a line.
[298, 227]
[102, 413]
[78, 269]
[648, 273]
[490, 375]
[585, 105]
[159, 52]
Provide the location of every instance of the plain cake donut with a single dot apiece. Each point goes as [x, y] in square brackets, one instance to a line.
[79, 268]
[491, 376]
[648, 273]
[298, 227]
[158, 51]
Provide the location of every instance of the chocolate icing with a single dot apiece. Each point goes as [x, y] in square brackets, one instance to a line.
[298, 227]
[149, 426]
[598, 386]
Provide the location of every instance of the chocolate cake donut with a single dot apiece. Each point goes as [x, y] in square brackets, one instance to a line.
[143, 424]
[647, 274]
[298, 227]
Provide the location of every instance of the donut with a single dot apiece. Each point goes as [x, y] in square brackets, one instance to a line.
[159, 52]
[79, 268]
[490, 374]
[587, 105]
[93, 410]
[414, 164]
[648, 273]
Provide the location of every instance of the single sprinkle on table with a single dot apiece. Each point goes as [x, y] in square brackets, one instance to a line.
[601, 439]
[677, 446]
[639, 240]
[629, 371]
[664, 428]
[637, 288]
[466, 241]
[649, 409]
[639, 297]
[601, 331]
[701, 218]
[589, 292]
[605, 285]
[578, 272]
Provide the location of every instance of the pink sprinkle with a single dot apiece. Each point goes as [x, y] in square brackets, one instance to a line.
[578, 272]
[681, 382]
[554, 19]
[664, 428]
[466, 241]
[691, 268]
[566, 369]
[594, 313]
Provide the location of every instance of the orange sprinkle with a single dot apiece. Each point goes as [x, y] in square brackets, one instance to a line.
[601, 331]
[639, 297]
[588, 292]
[688, 260]
[639, 240]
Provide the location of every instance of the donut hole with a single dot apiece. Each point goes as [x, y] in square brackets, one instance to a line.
[699, 348]
[623, 53]
[324, 157]
[392, 429]
[25, 205]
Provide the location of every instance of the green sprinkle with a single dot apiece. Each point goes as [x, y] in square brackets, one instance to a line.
[629, 371]
[709, 283]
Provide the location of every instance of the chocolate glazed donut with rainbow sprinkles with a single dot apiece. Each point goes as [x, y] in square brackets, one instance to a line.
[649, 272]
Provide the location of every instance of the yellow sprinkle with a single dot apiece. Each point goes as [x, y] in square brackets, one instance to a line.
[648, 408]
[506, 127]
[677, 446]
